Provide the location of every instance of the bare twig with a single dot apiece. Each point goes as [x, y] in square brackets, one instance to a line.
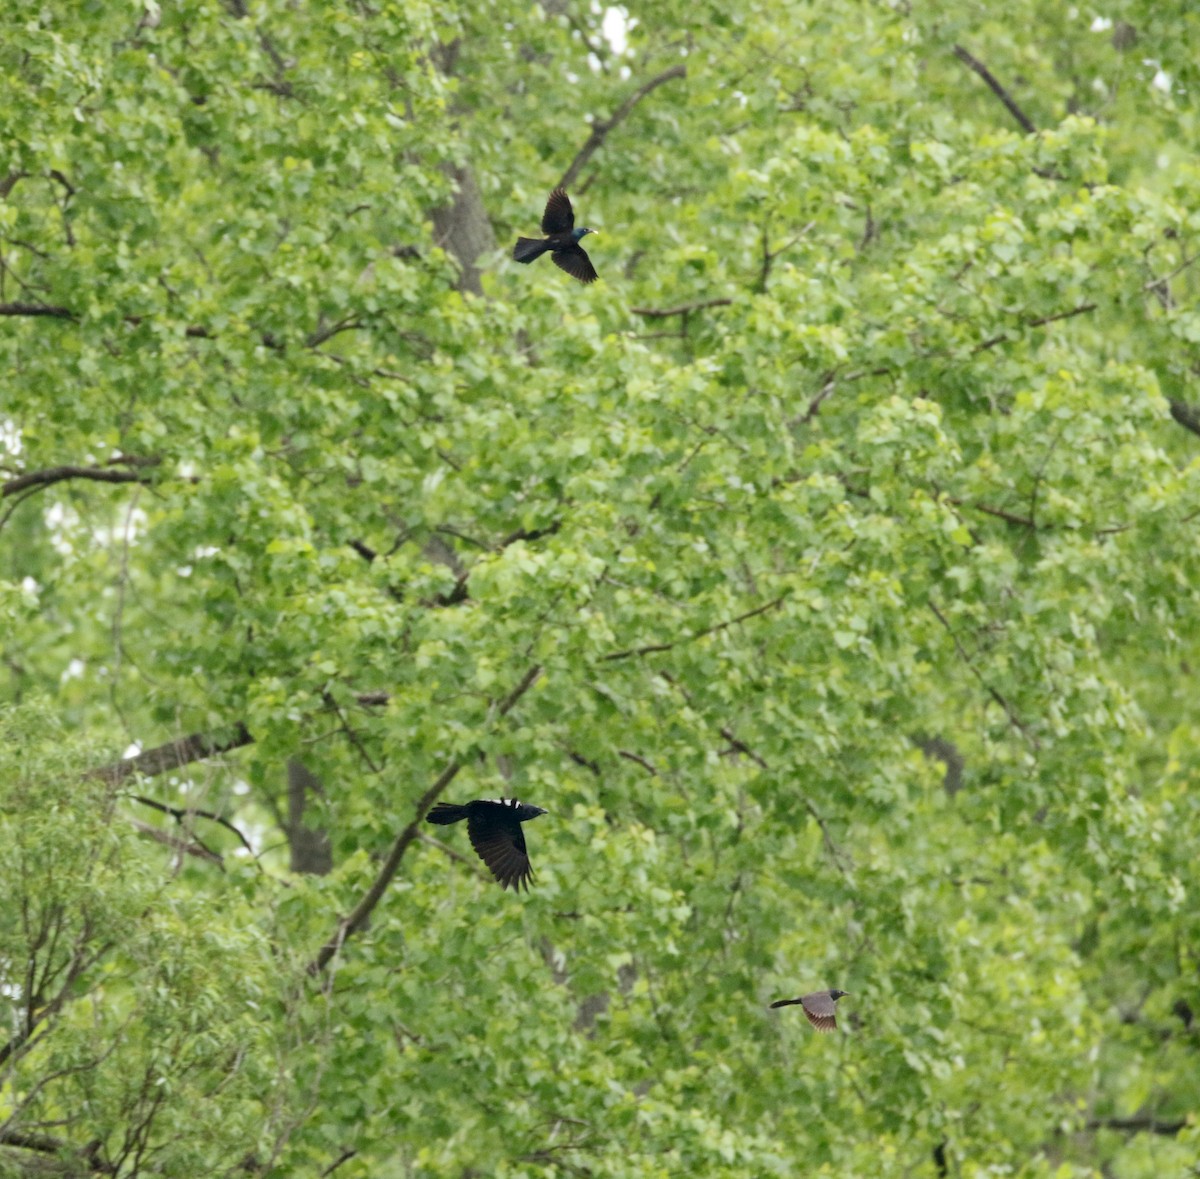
[1003, 338]
[188, 847]
[1159, 283]
[344, 1157]
[446, 849]
[987, 509]
[601, 127]
[651, 648]
[637, 759]
[1134, 1125]
[1009, 712]
[683, 309]
[998, 90]
[182, 813]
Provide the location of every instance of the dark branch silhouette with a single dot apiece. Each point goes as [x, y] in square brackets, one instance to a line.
[684, 309]
[998, 90]
[652, 648]
[36, 310]
[106, 474]
[1009, 712]
[1186, 416]
[1135, 1125]
[601, 127]
[173, 755]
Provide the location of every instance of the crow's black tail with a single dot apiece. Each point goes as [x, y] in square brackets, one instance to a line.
[446, 812]
[786, 1002]
[529, 248]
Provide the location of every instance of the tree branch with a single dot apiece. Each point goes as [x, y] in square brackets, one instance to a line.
[998, 90]
[601, 127]
[1082, 309]
[683, 309]
[172, 756]
[652, 648]
[36, 310]
[181, 813]
[350, 925]
[1133, 1125]
[175, 755]
[188, 847]
[1013, 719]
[52, 475]
[1185, 415]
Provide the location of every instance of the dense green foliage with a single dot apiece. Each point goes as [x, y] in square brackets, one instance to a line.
[843, 616]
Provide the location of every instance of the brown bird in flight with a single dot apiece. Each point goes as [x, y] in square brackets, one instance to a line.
[818, 1006]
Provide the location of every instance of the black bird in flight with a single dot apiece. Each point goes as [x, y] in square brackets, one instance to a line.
[562, 239]
[494, 825]
[819, 1007]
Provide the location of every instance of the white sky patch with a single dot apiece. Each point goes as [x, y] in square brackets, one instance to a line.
[74, 670]
[126, 531]
[61, 521]
[10, 436]
[615, 29]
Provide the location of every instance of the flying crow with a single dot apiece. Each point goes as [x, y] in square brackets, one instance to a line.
[494, 825]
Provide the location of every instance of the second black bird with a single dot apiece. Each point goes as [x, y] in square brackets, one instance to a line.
[494, 825]
[561, 240]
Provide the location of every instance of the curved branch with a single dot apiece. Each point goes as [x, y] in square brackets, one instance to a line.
[181, 813]
[52, 475]
[601, 127]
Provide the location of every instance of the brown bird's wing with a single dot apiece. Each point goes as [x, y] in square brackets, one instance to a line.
[559, 217]
[501, 846]
[574, 260]
[819, 1008]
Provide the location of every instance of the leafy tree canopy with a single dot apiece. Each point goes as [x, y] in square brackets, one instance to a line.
[828, 571]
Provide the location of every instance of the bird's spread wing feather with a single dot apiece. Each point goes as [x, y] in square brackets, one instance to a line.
[823, 1023]
[500, 844]
[820, 1011]
[574, 260]
[559, 217]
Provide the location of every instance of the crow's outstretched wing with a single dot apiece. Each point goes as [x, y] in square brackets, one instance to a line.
[500, 844]
[574, 260]
[559, 217]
